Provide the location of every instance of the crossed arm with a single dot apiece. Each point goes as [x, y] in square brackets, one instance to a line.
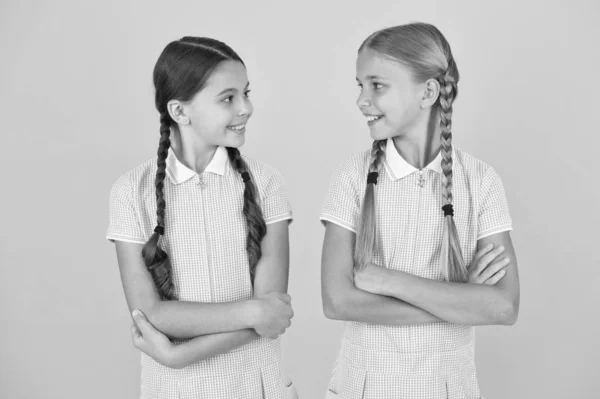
[216, 328]
[396, 298]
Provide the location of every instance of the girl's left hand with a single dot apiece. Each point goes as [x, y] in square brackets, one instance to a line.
[151, 341]
[370, 278]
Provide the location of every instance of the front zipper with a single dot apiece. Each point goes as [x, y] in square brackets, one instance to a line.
[421, 179]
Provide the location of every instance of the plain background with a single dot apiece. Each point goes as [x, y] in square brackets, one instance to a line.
[76, 101]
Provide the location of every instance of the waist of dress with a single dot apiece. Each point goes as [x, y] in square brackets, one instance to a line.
[256, 354]
[419, 338]
[406, 363]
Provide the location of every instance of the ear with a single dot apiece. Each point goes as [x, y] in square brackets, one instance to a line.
[177, 112]
[431, 93]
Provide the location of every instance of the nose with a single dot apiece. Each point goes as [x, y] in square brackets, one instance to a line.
[245, 108]
[363, 101]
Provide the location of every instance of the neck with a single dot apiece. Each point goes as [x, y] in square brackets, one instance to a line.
[421, 145]
[191, 151]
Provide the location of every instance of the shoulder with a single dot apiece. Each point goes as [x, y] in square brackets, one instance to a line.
[268, 179]
[473, 167]
[482, 175]
[356, 165]
[137, 177]
[261, 170]
[349, 177]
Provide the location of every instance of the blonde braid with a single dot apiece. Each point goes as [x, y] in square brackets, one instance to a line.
[452, 262]
[366, 237]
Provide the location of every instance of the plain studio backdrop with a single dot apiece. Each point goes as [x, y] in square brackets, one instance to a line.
[77, 108]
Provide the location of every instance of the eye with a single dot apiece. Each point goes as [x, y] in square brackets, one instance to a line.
[377, 86]
[359, 86]
[247, 93]
[228, 99]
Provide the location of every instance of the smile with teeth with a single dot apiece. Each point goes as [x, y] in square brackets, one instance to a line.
[371, 118]
[237, 127]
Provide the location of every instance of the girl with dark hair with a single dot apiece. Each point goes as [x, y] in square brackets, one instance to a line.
[403, 220]
[201, 236]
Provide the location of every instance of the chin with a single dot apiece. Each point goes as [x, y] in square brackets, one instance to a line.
[378, 135]
[234, 142]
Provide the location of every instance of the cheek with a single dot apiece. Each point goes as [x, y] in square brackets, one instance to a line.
[403, 111]
[213, 120]
[408, 111]
[389, 103]
[382, 102]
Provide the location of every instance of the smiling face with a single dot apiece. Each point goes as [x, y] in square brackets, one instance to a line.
[389, 98]
[218, 113]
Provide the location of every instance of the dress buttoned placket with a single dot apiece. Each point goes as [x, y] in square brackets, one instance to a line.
[416, 211]
[201, 183]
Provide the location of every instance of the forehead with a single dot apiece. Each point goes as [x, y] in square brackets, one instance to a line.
[370, 63]
[228, 74]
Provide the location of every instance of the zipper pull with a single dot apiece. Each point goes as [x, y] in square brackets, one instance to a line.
[421, 179]
[201, 183]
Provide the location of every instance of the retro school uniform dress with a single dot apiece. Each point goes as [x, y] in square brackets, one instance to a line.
[205, 237]
[433, 360]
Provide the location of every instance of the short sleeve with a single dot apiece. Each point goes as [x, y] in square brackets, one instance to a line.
[342, 202]
[124, 224]
[494, 216]
[275, 204]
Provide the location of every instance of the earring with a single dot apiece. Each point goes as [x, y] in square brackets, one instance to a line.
[185, 121]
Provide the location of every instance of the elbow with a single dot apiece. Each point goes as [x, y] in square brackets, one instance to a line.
[172, 362]
[151, 310]
[509, 313]
[155, 315]
[333, 307]
[513, 315]
[175, 365]
[329, 310]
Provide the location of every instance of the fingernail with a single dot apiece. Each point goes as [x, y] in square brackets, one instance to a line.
[136, 312]
[489, 246]
[503, 272]
[501, 247]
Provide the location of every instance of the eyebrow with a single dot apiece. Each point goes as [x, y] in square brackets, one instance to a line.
[372, 77]
[232, 89]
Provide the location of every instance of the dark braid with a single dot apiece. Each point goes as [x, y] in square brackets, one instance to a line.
[156, 259]
[255, 221]
[163, 151]
[180, 72]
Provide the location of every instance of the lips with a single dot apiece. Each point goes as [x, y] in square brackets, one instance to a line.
[372, 119]
[237, 128]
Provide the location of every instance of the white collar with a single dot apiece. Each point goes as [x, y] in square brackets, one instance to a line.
[399, 168]
[180, 173]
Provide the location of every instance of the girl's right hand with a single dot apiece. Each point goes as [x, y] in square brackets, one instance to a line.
[273, 315]
[488, 265]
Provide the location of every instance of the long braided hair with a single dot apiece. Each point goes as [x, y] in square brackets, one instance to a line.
[426, 53]
[255, 221]
[180, 72]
